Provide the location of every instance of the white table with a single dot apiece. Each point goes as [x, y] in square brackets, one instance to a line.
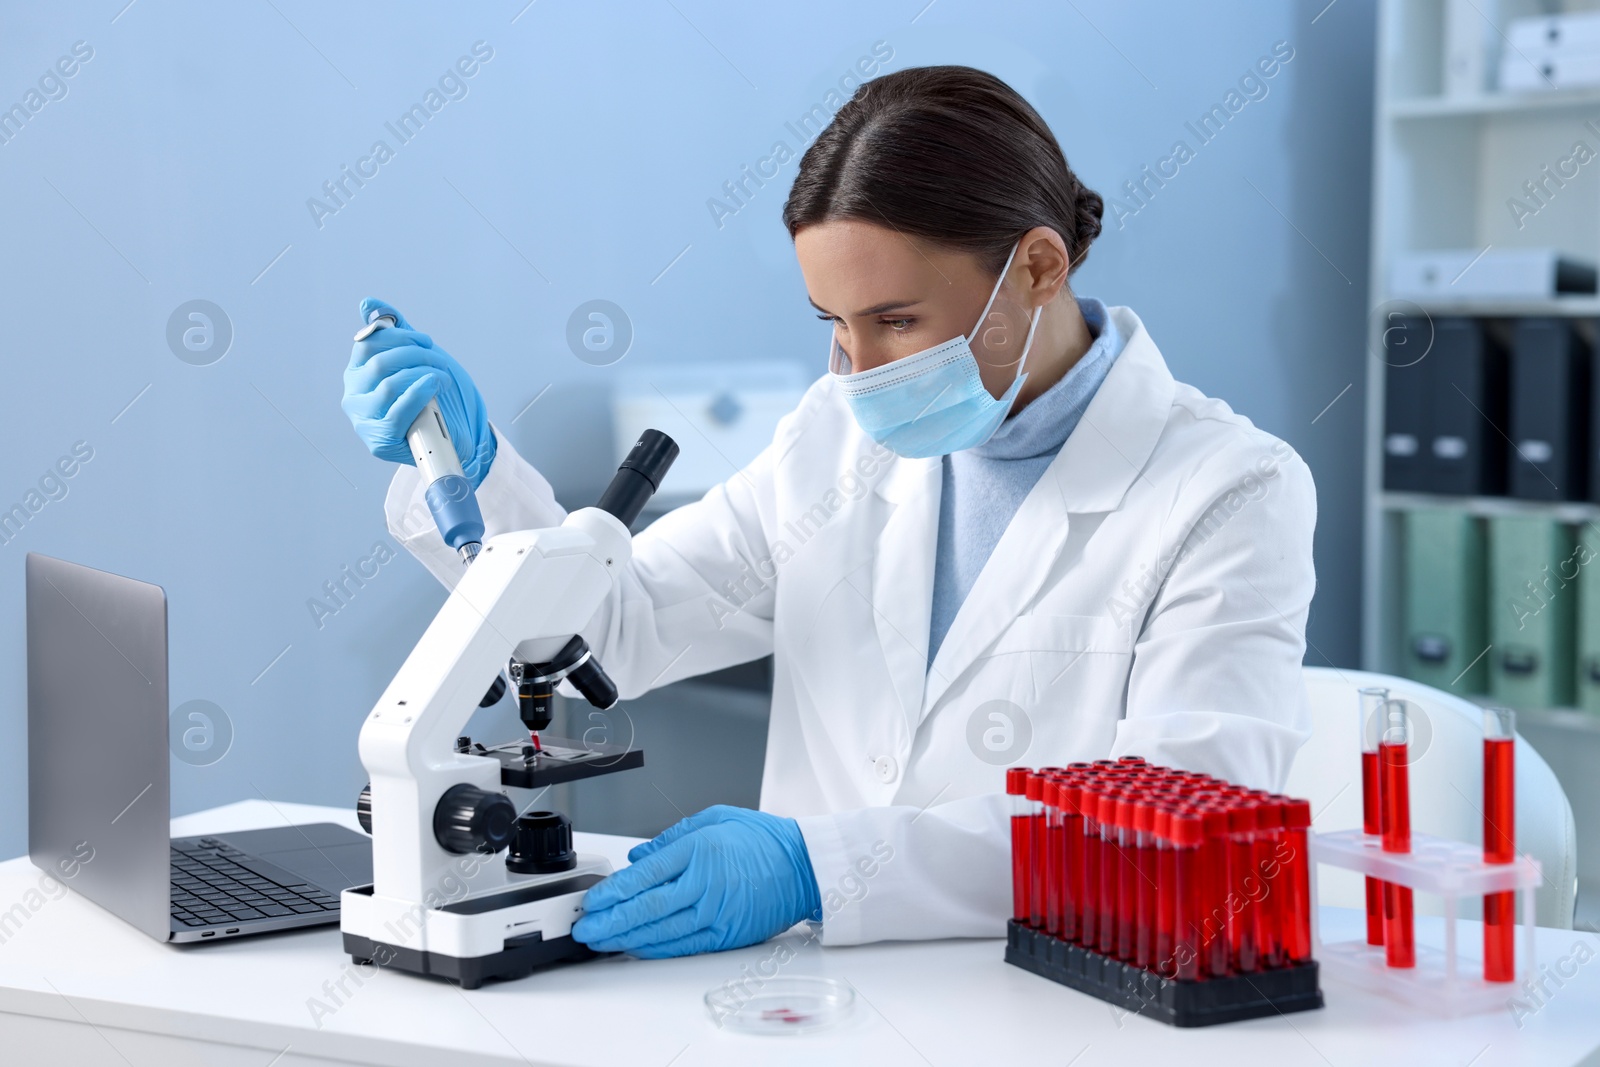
[80, 987]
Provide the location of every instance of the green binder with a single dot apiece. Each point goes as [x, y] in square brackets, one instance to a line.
[1533, 600]
[1588, 665]
[1445, 629]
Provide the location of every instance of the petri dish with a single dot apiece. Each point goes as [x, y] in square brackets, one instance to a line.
[798, 1005]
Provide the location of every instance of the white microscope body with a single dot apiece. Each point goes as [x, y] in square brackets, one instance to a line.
[442, 900]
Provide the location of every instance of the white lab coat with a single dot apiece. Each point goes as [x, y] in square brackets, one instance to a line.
[1149, 597]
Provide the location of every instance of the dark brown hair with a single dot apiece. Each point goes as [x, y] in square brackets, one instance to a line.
[949, 154]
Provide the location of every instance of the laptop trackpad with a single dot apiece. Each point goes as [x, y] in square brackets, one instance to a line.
[323, 854]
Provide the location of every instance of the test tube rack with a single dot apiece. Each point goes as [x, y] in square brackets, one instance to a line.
[1448, 869]
[1169, 1000]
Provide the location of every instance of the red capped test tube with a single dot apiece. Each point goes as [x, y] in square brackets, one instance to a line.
[1399, 947]
[1127, 874]
[1036, 846]
[1244, 951]
[1146, 885]
[1270, 908]
[1370, 704]
[1110, 874]
[1089, 795]
[1296, 882]
[1069, 792]
[1021, 842]
[1054, 853]
[1187, 832]
[1166, 964]
[1499, 840]
[1215, 918]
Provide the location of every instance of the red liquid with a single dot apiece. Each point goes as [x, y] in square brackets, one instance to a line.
[1296, 885]
[1110, 871]
[1245, 884]
[1036, 845]
[1499, 846]
[1371, 822]
[1400, 949]
[1053, 853]
[1270, 909]
[1215, 918]
[1147, 890]
[1089, 894]
[1186, 921]
[1021, 877]
[1166, 906]
[1127, 892]
[1071, 876]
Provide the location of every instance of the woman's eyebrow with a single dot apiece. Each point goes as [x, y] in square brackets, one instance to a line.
[876, 309]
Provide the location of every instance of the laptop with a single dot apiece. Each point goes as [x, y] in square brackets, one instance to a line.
[99, 779]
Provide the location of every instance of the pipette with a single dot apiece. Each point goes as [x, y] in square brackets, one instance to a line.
[449, 495]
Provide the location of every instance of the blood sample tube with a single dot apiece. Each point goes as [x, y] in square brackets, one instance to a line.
[1296, 882]
[1036, 846]
[1499, 840]
[1270, 908]
[1021, 842]
[1215, 918]
[1370, 705]
[1069, 790]
[1127, 874]
[1052, 856]
[1110, 873]
[1244, 883]
[1187, 833]
[1146, 884]
[1089, 886]
[1394, 771]
[1134, 761]
[1166, 892]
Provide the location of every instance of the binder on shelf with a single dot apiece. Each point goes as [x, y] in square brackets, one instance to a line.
[1445, 630]
[1586, 684]
[1533, 599]
[1550, 383]
[1465, 386]
[1406, 351]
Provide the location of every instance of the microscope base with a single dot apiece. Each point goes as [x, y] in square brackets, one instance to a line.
[520, 958]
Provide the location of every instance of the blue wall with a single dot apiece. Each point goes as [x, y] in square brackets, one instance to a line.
[576, 162]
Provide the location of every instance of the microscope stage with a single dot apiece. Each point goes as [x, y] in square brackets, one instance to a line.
[560, 759]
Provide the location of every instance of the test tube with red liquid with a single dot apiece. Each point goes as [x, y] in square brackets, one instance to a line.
[1089, 883]
[1054, 854]
[1036, 846]
[1214, 920]
[1267, 869]
[1297, 882]
[1110, 873]
[1187, 832]
[1021, 842]
[1394, 789]
[1166, 892]
[1069, 792]
[1243, 949]
[1499, 840]
[1370, 705]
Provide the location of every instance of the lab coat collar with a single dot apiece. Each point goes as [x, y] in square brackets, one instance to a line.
[902, 577]
[1091, 473]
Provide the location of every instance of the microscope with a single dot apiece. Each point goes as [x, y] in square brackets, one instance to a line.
[463, 887]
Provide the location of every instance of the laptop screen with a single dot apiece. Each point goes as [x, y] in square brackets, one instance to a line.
[99, 790]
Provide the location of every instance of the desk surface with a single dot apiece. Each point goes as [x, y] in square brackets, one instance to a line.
[72, 974]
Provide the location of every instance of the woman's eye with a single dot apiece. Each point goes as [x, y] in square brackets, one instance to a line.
[898, 325]
[824, 318]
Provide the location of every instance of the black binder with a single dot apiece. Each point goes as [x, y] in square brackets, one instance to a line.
[1550, 382]
[1405, 432]
[1465, 387]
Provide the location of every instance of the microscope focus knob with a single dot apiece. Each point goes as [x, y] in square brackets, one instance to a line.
[543, 844]
[364, 808]
[469, 819]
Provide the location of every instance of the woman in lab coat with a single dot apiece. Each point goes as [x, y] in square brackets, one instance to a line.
[996, 532]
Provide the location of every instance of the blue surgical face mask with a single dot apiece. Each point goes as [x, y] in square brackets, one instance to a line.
[933, 402]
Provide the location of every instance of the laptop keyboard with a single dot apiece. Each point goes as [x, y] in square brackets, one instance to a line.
[211, 885]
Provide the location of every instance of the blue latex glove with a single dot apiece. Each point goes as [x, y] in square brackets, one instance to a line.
[721, 879]
[391, 377]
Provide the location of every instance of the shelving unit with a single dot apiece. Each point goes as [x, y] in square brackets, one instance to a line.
[1444, 168]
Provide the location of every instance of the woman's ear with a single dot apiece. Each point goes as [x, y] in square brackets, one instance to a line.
[1044, 263]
